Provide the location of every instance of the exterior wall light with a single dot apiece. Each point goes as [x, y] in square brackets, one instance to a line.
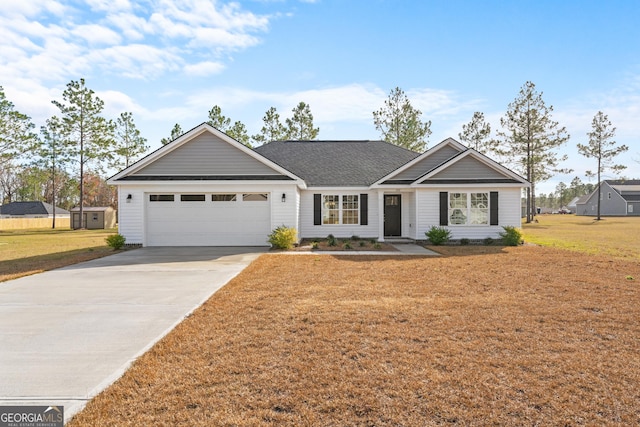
[129, 197]
[284, 197]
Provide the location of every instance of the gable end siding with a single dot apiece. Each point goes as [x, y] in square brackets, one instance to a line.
[468, 168]
[427, 164]
[206, 154]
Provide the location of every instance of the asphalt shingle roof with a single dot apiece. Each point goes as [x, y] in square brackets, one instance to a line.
[337, 163]
[30, 208]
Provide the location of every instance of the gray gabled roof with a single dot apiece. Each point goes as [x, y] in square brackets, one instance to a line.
[30, 208]
[623, 181]
[337, 163]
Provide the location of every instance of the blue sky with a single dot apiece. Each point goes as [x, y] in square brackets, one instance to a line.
[171, 61]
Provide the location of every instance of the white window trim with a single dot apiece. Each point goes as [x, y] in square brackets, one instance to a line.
[340, 208]
[468, 209]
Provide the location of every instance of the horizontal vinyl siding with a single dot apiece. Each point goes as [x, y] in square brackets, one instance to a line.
[428, 205]
[131, 214]
[285, 213]
[427, 164]
[308, 230]
[207, 155]
[468, 168]
[614, 206]
[408, 215]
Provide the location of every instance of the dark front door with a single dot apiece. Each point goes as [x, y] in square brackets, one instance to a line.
[392, 215]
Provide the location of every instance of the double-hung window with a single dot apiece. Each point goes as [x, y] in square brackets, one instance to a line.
[338, 209]
[468, 208]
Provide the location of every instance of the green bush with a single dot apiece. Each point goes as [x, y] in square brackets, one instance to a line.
[438, 235]
[331, 240]
[347, 245]
[314, 245]
[511, 236]
[377, 245]
[362, 243]
[283, 237]
[464, 241]
[115, 241]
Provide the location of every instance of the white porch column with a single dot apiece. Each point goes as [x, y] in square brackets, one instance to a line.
[380, 215]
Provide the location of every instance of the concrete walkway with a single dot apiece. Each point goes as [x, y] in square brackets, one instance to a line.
[67, 334]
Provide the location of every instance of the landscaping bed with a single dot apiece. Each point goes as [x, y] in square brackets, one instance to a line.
[356, 244]
[483, 335]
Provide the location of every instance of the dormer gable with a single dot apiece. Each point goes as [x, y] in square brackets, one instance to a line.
[424, 163]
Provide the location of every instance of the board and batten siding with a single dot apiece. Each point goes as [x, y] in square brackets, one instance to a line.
[468, 168]
[207, 154]
[132, 214]
[427, 164]
[428, 206]
[309, 230]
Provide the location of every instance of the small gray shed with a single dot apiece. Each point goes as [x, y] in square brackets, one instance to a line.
[94, 217]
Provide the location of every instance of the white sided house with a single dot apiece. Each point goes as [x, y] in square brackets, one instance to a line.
[207, 189]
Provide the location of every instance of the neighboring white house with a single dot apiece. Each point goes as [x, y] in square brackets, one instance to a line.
[617, 198]
[206, 189]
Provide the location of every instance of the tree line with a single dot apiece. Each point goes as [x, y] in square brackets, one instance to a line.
[63, 164]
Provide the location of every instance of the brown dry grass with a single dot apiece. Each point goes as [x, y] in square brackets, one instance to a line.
[491, 336]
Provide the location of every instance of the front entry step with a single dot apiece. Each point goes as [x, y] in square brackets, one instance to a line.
[398, 240]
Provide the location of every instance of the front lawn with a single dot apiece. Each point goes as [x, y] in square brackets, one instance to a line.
[492, 336]
[25, 252]
[615, 236]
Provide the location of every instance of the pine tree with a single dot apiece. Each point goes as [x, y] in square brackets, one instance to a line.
[477, 134]
[16, 131]
[300, 125]
[530, 139]
[219, 121]
[603, 148]
[53, 156]
[175, 133]
[400, 123]
[87, 135]
[272, 130]
[129, 142]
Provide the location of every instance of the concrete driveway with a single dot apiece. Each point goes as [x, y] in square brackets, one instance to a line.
[66, 334]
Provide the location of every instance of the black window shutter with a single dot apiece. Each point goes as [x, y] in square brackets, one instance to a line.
[444, 208]
[493, 206]
[364, 209]
[317, 209]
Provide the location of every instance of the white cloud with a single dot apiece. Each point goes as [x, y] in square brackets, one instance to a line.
[137, 61]
[31, 8]
[109, 5]
[132, 40]
[95, 34]
[205, 68]
[116, 102]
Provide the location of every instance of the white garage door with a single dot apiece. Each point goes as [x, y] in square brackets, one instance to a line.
[208, 219]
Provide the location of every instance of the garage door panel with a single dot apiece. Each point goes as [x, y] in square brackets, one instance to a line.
[207, 223]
